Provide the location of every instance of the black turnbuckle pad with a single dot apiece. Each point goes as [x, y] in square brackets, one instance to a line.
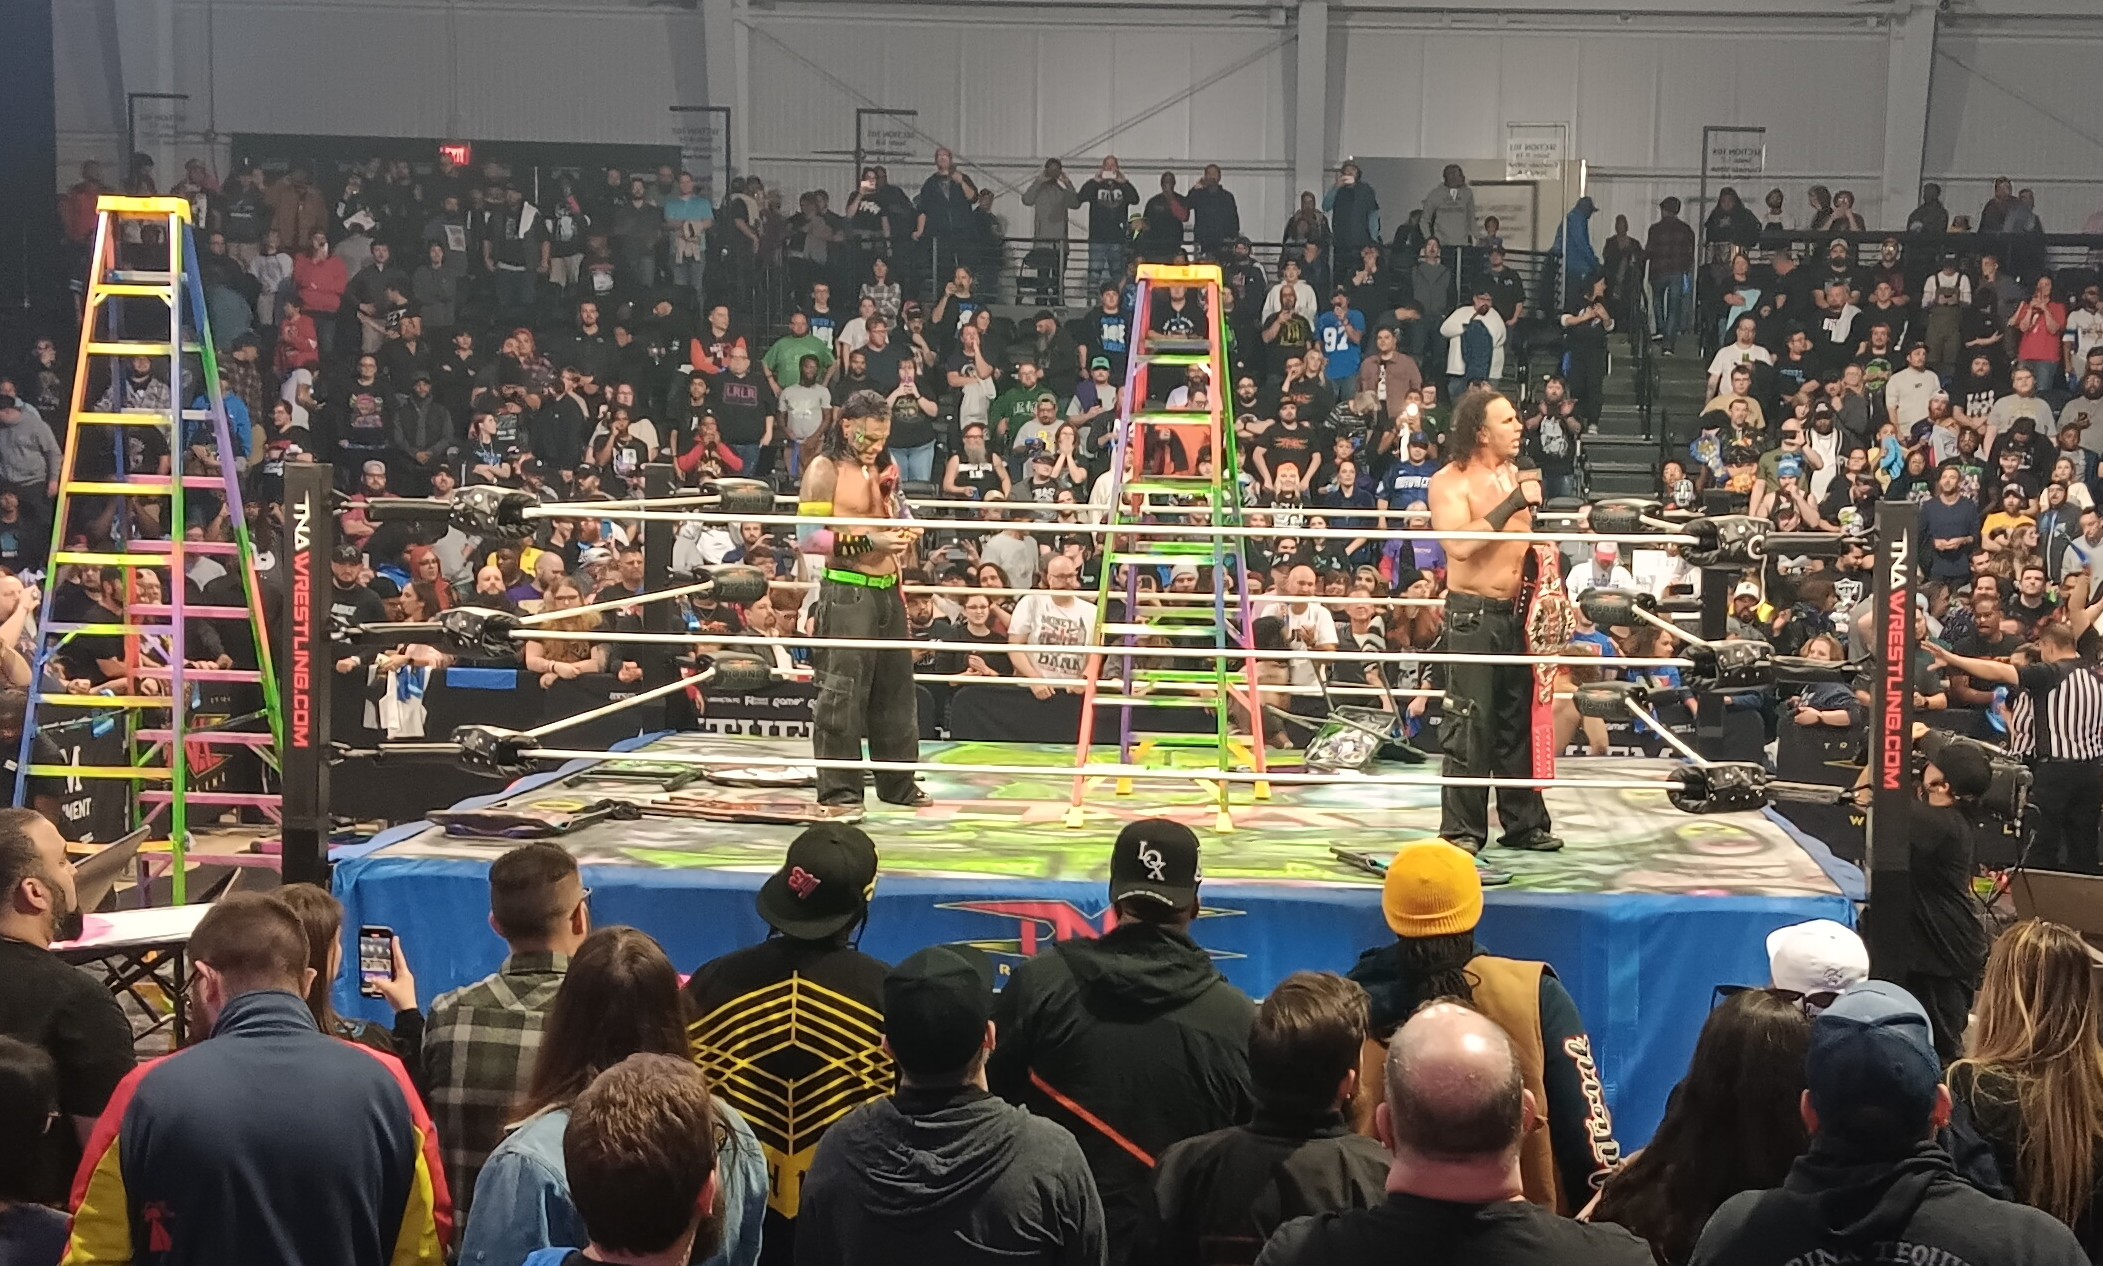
[1610, 700]
[495, 749]
[1614, 608]
[1727, 540]
[733, 673]
[1722, 787]
[1730, 666]
[480, 632]
[742, 496]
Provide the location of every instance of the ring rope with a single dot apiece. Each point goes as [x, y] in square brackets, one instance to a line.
[1143, 773]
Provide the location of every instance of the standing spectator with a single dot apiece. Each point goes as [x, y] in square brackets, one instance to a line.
[643, 1168]
[745, 409]
[2042, 321]
[1950, 523]
[1475, 340]
[688, 219]
[620, 998]
[1340, 331]
[481, 1042]
[318, 281]
[266, 1141]
[1874, 1177]
[49, 1004]
[943, 1171]
[1354, 212]
[1735, 1123]
[1432, 898]
[1585, 327]
[637, 225]
[518, 253]
[1455, 1114]
[1050, 196]
[809, 974]
[1220, 1196]
[1449, 209]
[1670, 247]
[1215, 216]
[1134, 1041]
[2032, 1076]
[943, 221]
[1162, 221]
[1109, 198]
[1053, 616]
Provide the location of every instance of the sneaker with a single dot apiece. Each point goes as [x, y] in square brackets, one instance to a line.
[1491, 878]
[917, 800]
[1664, 351]
[1472, 847]
[1657, 338]
[1537, 842]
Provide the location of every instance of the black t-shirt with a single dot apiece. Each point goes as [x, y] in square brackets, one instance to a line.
[996, 657]
[355, 605]
[50, 1004]
[911, 427]
[1289, 443]
[42, 751]
[742, 404]
[1414, 1229]
[1947, 937]
[883, 366]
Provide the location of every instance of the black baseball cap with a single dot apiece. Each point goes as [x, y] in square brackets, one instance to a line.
[1157, 859]
[346, 553]
[936, 1004]
[824, 884]
[1871, 1068]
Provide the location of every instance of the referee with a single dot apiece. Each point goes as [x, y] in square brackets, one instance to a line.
[2055, 723]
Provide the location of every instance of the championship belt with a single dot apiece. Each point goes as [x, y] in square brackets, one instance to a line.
[1550, 620]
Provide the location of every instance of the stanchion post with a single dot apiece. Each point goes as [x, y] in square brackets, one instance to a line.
[1716, 586]
[1890, 850]
[660, 479]
[306, 675]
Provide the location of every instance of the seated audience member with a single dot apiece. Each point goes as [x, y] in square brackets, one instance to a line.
[480, 1043]
[2032, 1076]
[1454, 1115]
[265, 1141]
[943, 1171]
[566, 658]
[1133, 1041]
[1433, 899]
[809, 974]
[1814, 962]
[1219, 1196]
[643, 1169]
[1824, 703]
[619, 998]
[321, 915]
[1874, 1182]
[1733, 1124]
[31, 1233]
[51, 1004]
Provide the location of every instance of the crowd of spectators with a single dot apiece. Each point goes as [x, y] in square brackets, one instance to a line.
[1117, 1102]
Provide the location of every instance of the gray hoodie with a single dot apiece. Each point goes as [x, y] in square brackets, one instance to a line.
[944, 1178]
[29, 453]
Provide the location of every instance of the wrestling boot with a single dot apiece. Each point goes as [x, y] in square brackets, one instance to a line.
[918, 799]
[1534, 842]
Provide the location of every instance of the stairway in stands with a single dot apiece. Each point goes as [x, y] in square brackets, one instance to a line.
[1623, 458]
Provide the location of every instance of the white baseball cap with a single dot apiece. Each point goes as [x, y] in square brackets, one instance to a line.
[1817, 957]
[1745, 589]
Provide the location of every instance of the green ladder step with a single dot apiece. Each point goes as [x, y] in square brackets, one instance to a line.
[1172, 486]
[1153, 701]
[1192, 675]
[1176, 358]
[1173, 418]
[1162, 630]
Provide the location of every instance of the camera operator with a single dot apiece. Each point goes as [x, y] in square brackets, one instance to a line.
[2055, 724]
[1944, 939]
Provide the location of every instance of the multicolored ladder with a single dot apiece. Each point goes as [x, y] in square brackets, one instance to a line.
[1156, 477]
[167, 736]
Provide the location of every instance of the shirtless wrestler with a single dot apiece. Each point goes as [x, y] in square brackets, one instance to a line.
[862, 693]
[1487, 727]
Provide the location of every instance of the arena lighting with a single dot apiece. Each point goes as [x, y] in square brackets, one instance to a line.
[462, 153]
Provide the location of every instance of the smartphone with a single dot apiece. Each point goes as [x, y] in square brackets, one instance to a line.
[375, 958]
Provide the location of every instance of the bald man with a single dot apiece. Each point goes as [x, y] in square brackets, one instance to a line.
[1455, 1112]
[1308, 625]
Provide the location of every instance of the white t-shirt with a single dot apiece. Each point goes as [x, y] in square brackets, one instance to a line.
[1310, 628]
[1730, 356]
[1591, 576]
[2084, 329]
[1906, 395]
[1039, 618]
[853, 337]
[803, 410]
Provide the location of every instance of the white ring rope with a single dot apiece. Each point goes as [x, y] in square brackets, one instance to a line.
[1170, 531]
[1113, 650]
[1141, 773]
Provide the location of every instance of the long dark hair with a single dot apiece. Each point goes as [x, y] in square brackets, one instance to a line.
[832, 438]
[619, 998]
[1469, 417]
[1732, 1125]
[321, 915]
[1434, 967]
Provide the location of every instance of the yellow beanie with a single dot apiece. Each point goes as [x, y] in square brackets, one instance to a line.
[1431, 890]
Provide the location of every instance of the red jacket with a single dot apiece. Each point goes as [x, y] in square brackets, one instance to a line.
[298, 347]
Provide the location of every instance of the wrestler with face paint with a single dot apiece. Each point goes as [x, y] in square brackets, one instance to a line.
[864, 695]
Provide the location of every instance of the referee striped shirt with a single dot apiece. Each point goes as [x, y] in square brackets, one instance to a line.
[2068, 696]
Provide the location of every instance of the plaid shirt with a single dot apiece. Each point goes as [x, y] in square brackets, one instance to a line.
[478, 1057]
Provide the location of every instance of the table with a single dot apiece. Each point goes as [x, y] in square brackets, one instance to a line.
[130, 948]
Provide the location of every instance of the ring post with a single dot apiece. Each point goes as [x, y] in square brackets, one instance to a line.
[660, 479]
[1890, 860]
[306, 672]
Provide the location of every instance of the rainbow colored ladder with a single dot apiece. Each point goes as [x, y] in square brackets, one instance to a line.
[1154, 478]
[164, 737]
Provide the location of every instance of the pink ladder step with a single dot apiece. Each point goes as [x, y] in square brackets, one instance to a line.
[191, 610]
[189, 547]
[202, 674]
[228, 738]
[229, 799]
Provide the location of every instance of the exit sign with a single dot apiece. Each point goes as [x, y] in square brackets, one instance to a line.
[460, 153]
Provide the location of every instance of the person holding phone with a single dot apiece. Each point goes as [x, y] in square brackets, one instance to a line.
[383, 972]
[1110, 199]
